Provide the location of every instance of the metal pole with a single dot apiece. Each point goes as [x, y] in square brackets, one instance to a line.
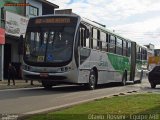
[2, 61]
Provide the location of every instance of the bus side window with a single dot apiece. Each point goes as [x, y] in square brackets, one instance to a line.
[87, 37]
[103, 40]
[143, 54]
[84, 36]
[94, 38]
[118, 46]
[112, 44]
[140, 54]
[124, 48]
[99, 42]
[128, 49]
[107, 41]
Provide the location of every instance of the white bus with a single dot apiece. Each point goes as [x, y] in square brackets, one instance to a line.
[71, 49]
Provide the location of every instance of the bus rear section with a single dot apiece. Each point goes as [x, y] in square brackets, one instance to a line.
[141, 63]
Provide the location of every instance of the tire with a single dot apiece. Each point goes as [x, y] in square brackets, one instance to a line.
[153, 85]
[141, 76]
[124, 79]
[92, 80]
[46, 85]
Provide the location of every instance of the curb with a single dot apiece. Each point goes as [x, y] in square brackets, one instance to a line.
[19, 85]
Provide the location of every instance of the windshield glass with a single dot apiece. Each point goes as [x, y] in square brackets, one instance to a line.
[49, 44]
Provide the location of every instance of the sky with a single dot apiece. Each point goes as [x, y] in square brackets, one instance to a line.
[138, 20]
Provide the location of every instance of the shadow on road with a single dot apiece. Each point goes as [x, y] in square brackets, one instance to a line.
[63, 89]
[76, 88]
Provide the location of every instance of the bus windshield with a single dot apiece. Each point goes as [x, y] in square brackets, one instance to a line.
[49, 44]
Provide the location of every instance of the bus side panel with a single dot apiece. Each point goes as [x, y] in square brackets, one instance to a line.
[110, 67]
[105, 74]
[83, 76]
[100, 60]
[84, 65]
[120, 65]
[96, 60]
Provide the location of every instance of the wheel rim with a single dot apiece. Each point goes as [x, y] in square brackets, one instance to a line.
[92, 81]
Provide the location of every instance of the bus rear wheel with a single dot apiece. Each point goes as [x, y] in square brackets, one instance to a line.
[92, 80]
[141, 77]
[153, 85]
[124, 79]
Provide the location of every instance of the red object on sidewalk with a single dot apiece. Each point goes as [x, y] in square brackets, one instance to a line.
[2, 36]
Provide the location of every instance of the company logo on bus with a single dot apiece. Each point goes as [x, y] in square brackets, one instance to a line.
[52, 20]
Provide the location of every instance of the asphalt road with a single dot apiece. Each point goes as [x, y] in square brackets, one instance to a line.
[34, 100]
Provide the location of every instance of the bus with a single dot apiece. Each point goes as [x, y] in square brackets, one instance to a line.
[141, 62]
[70, 49]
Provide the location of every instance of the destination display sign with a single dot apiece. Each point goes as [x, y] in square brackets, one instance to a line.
[52, 20]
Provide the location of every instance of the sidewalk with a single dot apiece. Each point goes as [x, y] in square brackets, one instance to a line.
[19, 84]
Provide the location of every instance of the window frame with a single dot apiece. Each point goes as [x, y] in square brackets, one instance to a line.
[112, 45]
[33, 8]
[82, 35]
[120, 46]
[94, 38]
[103, 39]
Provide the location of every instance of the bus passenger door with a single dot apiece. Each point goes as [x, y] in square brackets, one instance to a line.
[84, 49]
[84, 54]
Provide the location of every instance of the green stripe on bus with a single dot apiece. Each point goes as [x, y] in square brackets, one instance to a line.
[119, 63]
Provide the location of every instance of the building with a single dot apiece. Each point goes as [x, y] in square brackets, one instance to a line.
[14, 15]
[150, 51]
[157, 52]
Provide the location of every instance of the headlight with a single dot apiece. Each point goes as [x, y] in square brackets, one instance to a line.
[26, 67]
[64, 69]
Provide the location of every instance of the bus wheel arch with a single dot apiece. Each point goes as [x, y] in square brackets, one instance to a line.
[93, 77]
[96, 72]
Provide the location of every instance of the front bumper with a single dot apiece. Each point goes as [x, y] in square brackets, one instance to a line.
[69, 76]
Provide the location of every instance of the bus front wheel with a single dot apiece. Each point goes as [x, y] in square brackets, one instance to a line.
[46, 85]
[92, 80]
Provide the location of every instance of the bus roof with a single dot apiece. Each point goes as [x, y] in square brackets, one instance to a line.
[50, 15]
[93, 23]
[142, 46]
[104, 28]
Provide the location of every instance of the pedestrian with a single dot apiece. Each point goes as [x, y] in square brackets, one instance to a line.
[11, 73]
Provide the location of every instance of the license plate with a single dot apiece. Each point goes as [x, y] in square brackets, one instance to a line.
[43, 74]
